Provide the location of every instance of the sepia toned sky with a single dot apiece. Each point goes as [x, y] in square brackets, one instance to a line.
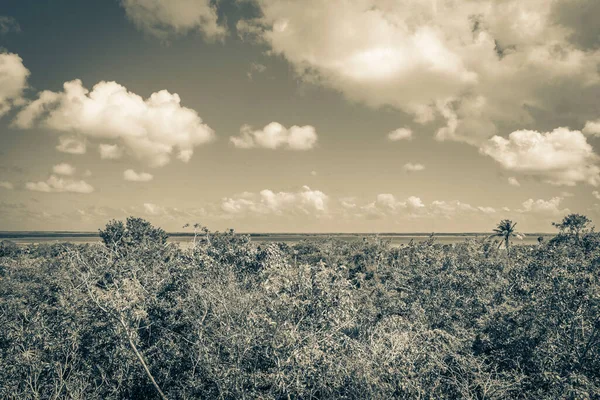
[299, 116]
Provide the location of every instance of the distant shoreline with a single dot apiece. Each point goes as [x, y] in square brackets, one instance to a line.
[76, 234]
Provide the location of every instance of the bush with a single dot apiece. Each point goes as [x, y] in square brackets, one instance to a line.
[141, 318]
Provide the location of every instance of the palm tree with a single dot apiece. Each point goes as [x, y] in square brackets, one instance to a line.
[506, 230]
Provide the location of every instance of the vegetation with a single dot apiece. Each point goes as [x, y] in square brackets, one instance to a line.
[506, 231]
[137, 317]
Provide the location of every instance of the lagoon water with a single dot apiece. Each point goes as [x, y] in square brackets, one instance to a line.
[24, 238]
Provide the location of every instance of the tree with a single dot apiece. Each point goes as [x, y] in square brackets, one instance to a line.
[574, 225]
[506, 230]
[135, 232]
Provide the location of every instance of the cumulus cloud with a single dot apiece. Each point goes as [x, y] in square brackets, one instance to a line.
[63, 169]
[13, 80]
[303, 202]
[513, 181]
[71, 145]
[274, 136]
[388, 206]
[169, 213]
[596, 194]
[400, 134]
[151, 130]
[471, 64]
[6, 185]
[544, 207]
[55, 184]
[450, 209]
[592, 128]
[110, 151]
[560, 157]
[132, 176]
[410, 167]
[165, 18]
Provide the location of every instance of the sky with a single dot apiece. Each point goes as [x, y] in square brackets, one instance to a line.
[299, 116]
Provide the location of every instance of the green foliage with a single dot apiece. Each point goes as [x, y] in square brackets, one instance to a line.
[229, 319]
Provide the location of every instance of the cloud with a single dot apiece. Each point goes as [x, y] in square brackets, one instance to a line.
[410, 167]
[470, 64]
[400, 134]
[63, 169]
[110, 151]
[544, 207]
[132, 176]
[388, 206]
[6, 185]
[579, 16]
[55, 184]
[170, 213]
[8, 24]
[596, 194]
[560, 157]
[71, 145]
[513, 181]
[255, 68]
[275, 135]
[165, 18]
[592, 128]
[449, 209]
[150, 130]
[303, 202]
[153, 209]
[13, 80]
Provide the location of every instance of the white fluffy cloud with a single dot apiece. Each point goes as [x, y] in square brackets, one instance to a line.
[470, 63]
[163, 18]
[386, 205]
[560, 157]
[63, 169]
[411, 167]
[449, 209]
[592, 128]
[303, 202]
[110, 151]
[71, 145]
[6, 185]
[275, 135]
[544, 207]
[132, 176]
[400, 134]
[151, 130]
[55, 184]
[13, 80]
[596, 194]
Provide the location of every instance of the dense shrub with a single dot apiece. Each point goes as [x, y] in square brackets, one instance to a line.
[140, 318]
